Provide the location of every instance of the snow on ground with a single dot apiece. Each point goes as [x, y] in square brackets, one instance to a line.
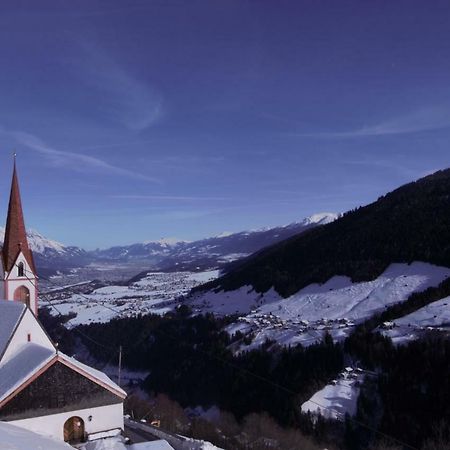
[16, 438]
[203, 277]
[176, 440]
[156, 293]
[335, 306]
[117, 443]
[432, 318]
[337, 398]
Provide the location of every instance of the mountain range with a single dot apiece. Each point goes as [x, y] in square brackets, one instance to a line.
[168, 254]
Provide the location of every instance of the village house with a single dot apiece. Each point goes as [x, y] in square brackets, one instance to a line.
[42, 389]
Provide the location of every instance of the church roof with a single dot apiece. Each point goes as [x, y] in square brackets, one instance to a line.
[92, 373]
[34, 359]
[15, 234]
[31, 359]
[27, 362]
[10, 316]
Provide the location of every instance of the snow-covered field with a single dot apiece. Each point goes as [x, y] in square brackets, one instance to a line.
[335, 306]
[432, 318]
[156, 293]
[337, 398]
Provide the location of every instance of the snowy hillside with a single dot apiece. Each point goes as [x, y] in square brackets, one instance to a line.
[335, 306]
[338, 397]
[431, 318]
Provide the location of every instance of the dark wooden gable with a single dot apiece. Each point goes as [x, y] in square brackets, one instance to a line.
[58, 389]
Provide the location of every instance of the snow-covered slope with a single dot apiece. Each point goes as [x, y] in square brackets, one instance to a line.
[432, 318]
[337, 398]
[335, 306]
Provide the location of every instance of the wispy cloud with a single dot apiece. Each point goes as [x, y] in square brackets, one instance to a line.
[74, 161]
[120, 95]
[426, 119]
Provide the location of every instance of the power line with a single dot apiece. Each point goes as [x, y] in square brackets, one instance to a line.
[239, 369]
[62, 315]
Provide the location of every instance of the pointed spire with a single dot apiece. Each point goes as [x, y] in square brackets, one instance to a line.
[15, 234]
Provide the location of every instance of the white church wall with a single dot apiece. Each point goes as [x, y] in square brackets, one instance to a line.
[104, 418]
[27, 326]
[28, 280]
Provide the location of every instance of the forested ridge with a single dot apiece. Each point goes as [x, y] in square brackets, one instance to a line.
[409, 224]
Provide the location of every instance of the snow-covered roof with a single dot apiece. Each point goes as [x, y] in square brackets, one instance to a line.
[28, 360]
[33, 357]
[97, 374]
[10, 315]
[16, 438]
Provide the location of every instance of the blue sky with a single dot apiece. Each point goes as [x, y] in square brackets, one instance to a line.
[136, 120]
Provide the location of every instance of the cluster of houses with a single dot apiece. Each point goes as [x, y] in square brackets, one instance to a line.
[349, 373]
[271, 321]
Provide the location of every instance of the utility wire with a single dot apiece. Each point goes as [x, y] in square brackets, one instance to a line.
[62, 315]
[250, 373]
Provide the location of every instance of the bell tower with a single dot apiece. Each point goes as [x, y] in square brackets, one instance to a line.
[20, 279]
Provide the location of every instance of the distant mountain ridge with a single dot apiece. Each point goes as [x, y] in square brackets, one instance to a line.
[411, 223]
[167, 253]
[209, 252]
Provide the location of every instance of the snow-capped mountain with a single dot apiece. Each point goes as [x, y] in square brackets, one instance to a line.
[209, 252]
[38, 243]
[51, 255]
[167, 253]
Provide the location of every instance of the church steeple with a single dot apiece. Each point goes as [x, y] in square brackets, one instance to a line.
[15, 233]
[19, 273]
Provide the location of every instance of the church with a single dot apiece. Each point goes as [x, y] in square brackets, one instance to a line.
[41, 388]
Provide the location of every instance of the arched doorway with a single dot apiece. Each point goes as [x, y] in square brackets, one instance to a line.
[74, 429]
[22, 294]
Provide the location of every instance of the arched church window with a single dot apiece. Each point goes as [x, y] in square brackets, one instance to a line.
[20, 270]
